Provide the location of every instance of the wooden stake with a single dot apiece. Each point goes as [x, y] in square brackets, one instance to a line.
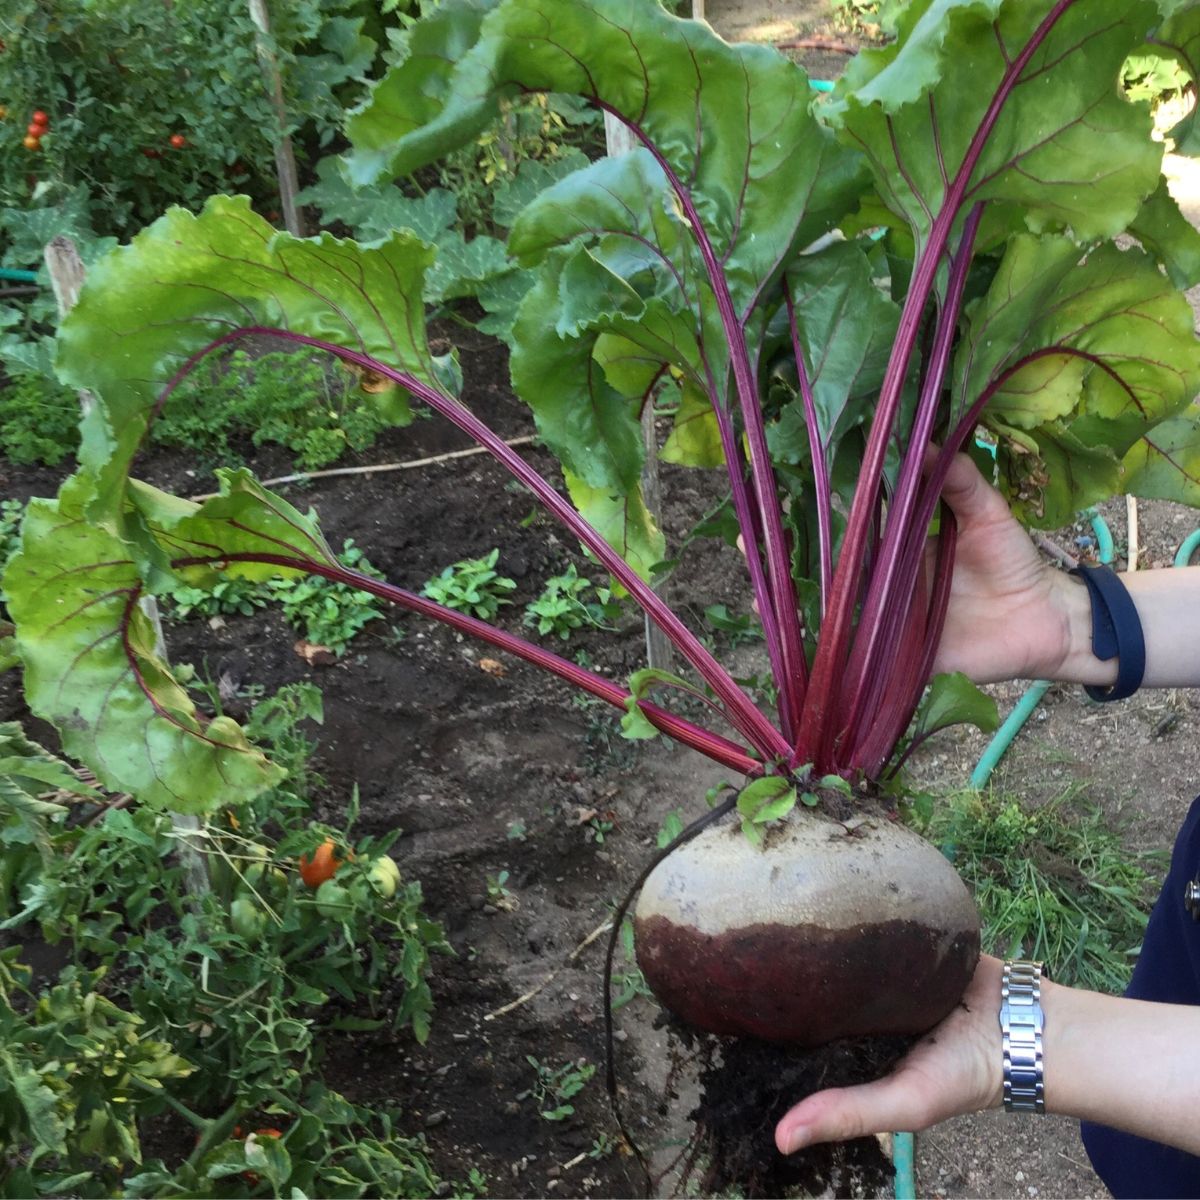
[66, 278]
[1131, 538]
[698, 10]
[285, 157]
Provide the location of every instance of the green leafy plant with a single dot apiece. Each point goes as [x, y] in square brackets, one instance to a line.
[628, 982]
[77, 1074]
[230, 596]
[554, 1087]
[238, 980]
[11, 514]
[327, 612]
[38, 421]
[739, 629]
[564, 606]
[473, 586]
[140, 130]
[498, 892]
[289, 398]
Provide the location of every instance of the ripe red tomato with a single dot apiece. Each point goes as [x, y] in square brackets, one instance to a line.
[31, 143]
[178, 141]
[39, 117]
[321, 866]
[35, 130]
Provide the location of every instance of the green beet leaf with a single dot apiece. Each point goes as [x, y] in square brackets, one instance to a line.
[845, 326]
[93, 669]
[953, 699]
[188, 280]
[1084, 356]
[1067, 150]
[1165, 464]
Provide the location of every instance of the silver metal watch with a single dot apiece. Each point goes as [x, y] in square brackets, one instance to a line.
[1021, 1028]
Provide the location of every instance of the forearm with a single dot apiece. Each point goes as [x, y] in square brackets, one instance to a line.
[1125, 1063]
[1168, 604]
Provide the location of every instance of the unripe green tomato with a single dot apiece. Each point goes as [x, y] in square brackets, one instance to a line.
[333, 901]
[384, 876]
[247, 919]
[269, 882]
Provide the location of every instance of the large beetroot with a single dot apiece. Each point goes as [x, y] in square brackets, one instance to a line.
[826, 931]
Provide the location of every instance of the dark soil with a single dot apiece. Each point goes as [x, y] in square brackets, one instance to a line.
[749, 1085]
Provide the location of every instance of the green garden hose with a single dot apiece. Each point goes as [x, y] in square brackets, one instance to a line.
[1183, 556]
[10, 275]
[902, 1160]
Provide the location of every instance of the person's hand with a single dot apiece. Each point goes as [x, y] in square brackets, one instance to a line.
[954, 1069]
[1010, 612]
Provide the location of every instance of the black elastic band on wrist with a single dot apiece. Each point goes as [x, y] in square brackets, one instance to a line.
[1116, 631]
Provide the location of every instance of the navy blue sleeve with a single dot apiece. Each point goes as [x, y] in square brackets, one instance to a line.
[1168, 970]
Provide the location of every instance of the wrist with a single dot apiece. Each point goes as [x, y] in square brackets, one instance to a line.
[1074, 660]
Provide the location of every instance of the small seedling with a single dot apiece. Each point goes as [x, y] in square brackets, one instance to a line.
[599, 827]
[516, 831]
[670, 829]
[602, 1147]
[326, 613]
[472, 585]
[555, 1086]
[498, 894]
[738, 629]
[629, 983]
[230, 597]
[564, 606]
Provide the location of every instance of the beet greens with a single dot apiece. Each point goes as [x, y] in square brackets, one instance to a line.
[821, 288]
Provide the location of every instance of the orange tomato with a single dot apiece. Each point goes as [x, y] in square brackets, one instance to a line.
[31, 143]
[321, 866]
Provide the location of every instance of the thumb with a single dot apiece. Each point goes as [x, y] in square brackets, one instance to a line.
[896, 1102]
[971, 498]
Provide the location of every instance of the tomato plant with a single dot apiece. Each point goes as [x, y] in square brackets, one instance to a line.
[167, 69]
[271, 961]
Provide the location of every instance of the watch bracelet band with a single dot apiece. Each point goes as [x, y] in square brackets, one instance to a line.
[1021, 1028]
[1116, 631]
